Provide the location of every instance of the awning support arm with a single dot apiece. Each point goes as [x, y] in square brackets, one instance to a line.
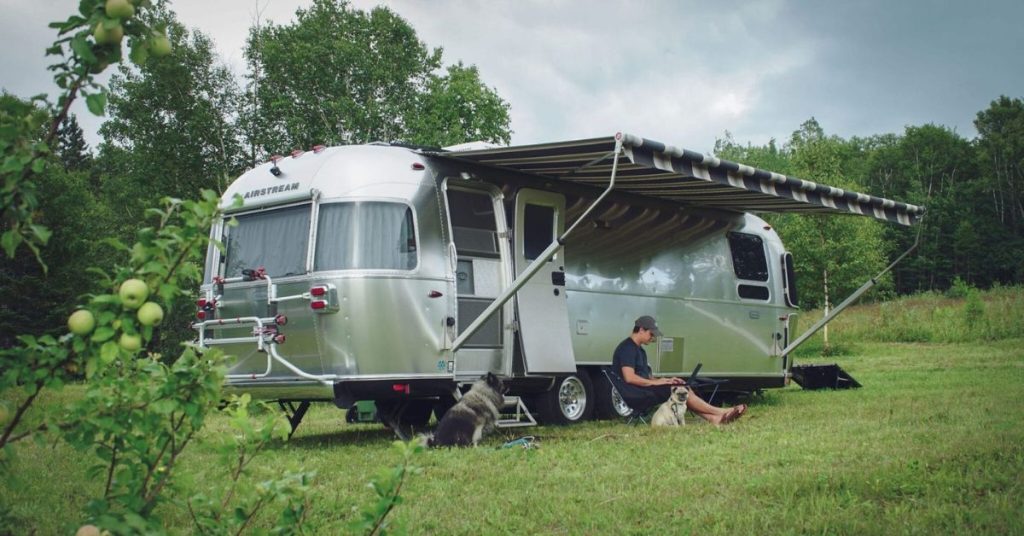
[539, 262]
[848, 301]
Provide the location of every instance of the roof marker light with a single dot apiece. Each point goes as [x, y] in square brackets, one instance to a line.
[417, 166]
[297, 153]
[317, 149]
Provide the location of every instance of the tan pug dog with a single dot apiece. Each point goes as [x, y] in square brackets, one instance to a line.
[671, 412]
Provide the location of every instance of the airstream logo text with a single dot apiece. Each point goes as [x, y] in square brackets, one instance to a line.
[272, 190]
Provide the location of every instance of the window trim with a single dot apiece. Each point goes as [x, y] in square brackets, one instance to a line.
[220, 263]
[315, 231]
[764, 256]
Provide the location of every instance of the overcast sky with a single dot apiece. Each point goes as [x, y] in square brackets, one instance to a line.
[677, 72]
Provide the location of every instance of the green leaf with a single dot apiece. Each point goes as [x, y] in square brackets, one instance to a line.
[42, 233]
[96, 102]
[10, 241]
[81, 47]
[139, 53]
[103, 333]
[109, 351]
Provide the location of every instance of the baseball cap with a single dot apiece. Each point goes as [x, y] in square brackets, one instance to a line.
[648, 323]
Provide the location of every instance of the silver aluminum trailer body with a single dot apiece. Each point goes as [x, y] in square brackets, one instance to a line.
[378, 256]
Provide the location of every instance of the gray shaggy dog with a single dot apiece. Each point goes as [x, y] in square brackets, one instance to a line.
[475, 414]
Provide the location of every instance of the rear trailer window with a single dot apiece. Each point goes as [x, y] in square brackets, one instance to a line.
[276, 240]
[748, 258]
[366, 235]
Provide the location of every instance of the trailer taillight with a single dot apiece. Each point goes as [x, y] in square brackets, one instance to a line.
[201, 302]
[280, 320]
[323, 299]
[201, 315]
[279, 338]
[400, 388]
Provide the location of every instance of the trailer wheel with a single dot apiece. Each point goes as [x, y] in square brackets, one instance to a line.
[609, 404]
[569, 401]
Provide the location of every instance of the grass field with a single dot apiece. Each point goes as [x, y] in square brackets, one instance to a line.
[933, 443]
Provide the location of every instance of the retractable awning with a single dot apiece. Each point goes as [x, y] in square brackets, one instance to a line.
[665, 172]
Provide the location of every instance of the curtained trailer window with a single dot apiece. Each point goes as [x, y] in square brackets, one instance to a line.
[275, 239]
[366, 235]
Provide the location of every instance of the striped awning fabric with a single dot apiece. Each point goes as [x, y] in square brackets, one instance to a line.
[657, 170]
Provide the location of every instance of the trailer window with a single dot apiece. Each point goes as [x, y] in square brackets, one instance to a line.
[790, 280]
[748, 258]
[538, 230]
[368, 235]
[274, 239]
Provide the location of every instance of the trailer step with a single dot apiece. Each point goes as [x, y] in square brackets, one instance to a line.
[518, 417]
[830, 376]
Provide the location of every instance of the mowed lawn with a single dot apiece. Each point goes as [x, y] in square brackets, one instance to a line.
[933, 443]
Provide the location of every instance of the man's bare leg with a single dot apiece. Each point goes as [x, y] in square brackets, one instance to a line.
[710, 413]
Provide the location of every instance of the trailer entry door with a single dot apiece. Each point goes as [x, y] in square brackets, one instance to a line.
[541, 304]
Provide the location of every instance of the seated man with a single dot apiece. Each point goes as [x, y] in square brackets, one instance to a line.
[643, 391]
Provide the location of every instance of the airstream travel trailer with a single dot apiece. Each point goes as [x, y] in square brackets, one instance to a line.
[397, 274]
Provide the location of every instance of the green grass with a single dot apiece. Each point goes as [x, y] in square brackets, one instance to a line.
[933, 443]
[929, 317]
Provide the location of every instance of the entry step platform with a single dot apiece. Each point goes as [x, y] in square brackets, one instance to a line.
[515, 414]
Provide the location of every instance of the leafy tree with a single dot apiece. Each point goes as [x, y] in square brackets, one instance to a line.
[88, 42]
[72, 149]
[1001, 153]
[1001, 163]
[171, 127]
[458, 107]
[339, 75]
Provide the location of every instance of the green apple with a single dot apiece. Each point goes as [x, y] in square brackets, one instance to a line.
[151, 314]
[131, 343]
[81, 322]
[160, 46]
[105, 36]
[120, 9]
[133, 293]
[88, 530]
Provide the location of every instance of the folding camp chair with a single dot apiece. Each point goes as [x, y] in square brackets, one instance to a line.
[637, 413]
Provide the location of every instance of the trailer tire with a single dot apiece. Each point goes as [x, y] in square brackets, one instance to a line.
[608, 403]
[569, 401]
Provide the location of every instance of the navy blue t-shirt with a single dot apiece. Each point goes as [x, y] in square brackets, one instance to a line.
[631, 354]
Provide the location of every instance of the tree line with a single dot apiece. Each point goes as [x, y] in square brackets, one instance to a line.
[339, 75]
[973, 191]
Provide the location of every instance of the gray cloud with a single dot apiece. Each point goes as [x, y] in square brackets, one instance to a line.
[679, 72]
